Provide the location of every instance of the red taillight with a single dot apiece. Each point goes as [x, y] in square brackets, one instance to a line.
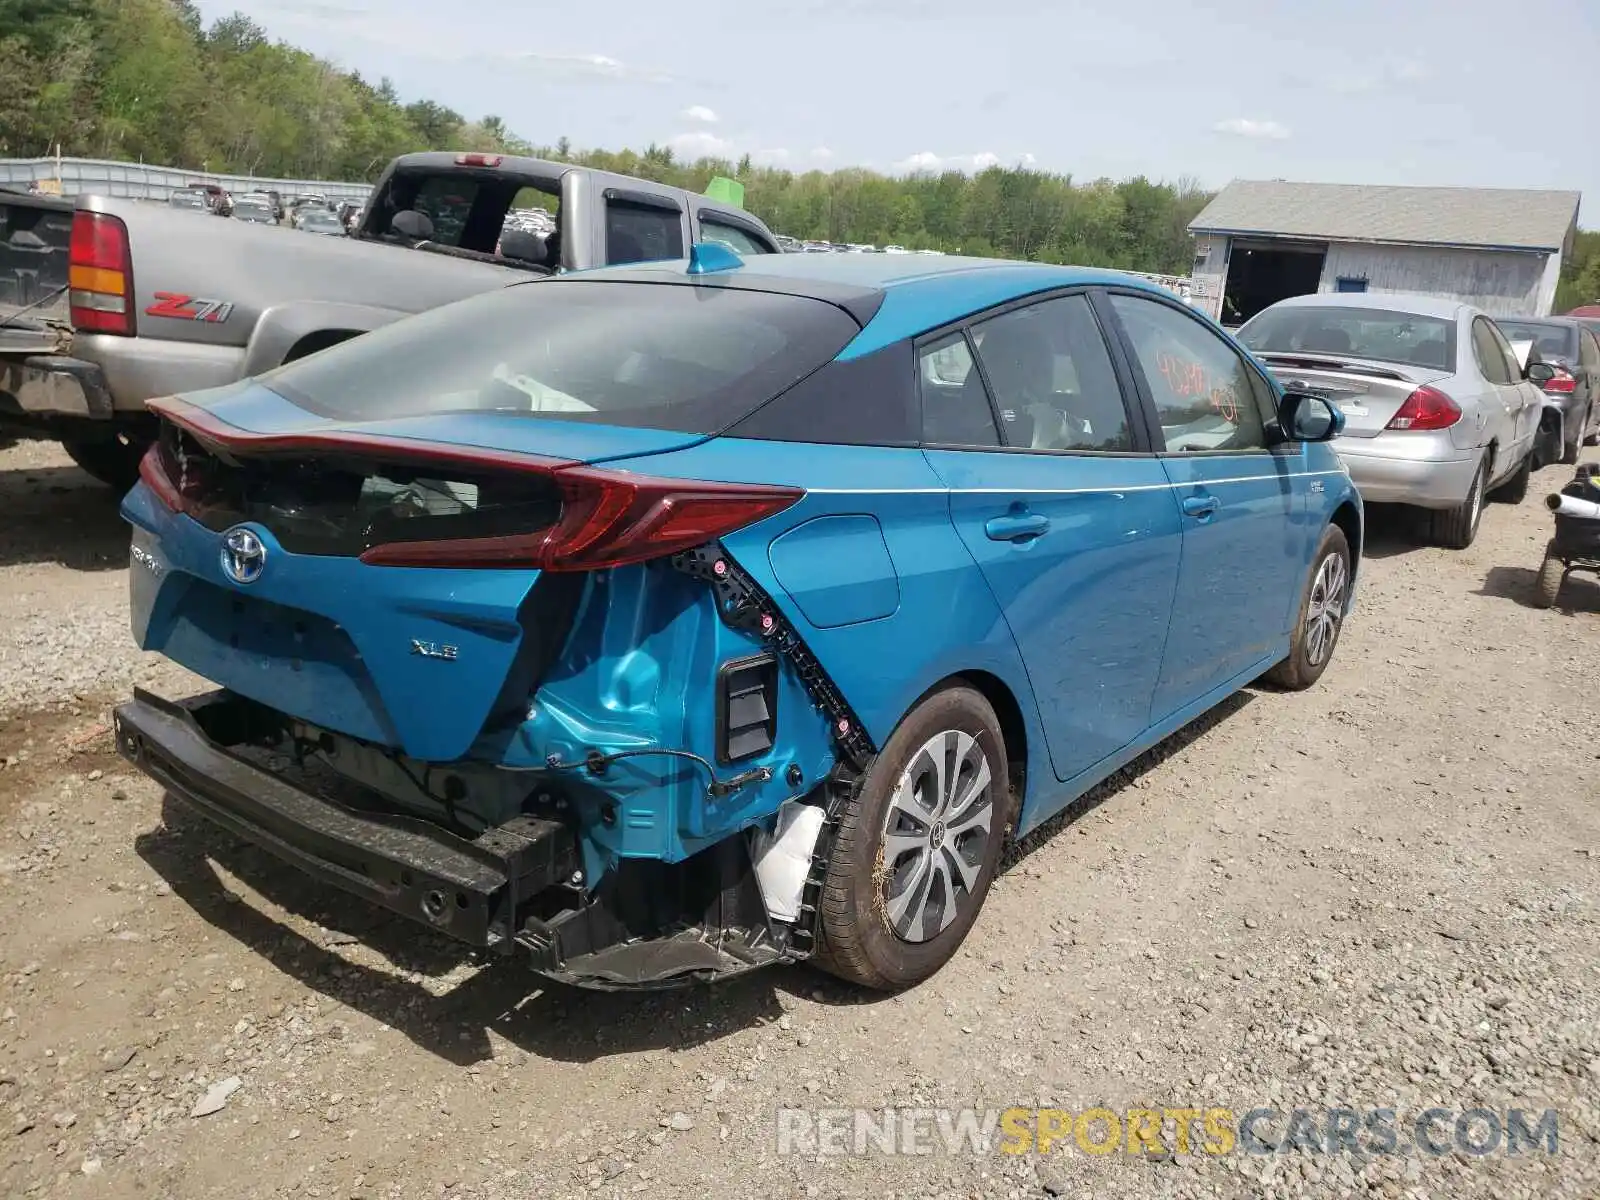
[1426, 408]
[100, 275]
[479, 160]
[608, 519]
[1563, 381]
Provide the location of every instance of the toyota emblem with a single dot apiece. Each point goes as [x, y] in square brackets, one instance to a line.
[243, 555]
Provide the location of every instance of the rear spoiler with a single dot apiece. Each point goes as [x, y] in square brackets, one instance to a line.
[1306, 362]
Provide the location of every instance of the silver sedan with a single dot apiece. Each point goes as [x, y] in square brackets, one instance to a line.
[1438, 413]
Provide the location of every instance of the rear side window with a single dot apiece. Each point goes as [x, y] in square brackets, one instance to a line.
[642, 232]
[650, 356]
[955, 406]
[1052, 378]
[1487, 351]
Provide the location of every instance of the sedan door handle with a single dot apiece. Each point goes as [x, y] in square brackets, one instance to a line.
[1200, 506]
[1016, 527]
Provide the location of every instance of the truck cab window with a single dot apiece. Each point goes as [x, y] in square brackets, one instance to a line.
[740, 241]
[642, 232]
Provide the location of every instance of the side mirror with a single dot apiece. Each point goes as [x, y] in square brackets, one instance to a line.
[1307, 418]
[1539, 372]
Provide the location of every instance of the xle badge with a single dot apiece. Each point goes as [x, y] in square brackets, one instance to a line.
[442, 650]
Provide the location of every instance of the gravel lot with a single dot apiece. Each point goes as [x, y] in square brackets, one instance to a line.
[1381, 892]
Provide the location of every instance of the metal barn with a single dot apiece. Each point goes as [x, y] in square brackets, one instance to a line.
[1259, 242]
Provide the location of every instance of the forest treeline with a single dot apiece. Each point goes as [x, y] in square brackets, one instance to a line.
[147, 80]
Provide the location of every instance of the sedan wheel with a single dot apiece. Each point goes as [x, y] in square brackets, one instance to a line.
[918, 845]
[1455, 528]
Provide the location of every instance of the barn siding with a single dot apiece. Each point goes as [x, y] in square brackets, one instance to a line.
[1502, 283]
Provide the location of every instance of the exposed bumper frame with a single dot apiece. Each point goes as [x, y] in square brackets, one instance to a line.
[466, 889]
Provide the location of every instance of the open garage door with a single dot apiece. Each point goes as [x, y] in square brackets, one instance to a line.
[1262, 273]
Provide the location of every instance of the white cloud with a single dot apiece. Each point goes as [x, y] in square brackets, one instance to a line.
[928, 162]
[775, 156]
[821, 153]
[699, 112]
[1248, 127]
[1410, 71]
[576, 67]
[700, 144]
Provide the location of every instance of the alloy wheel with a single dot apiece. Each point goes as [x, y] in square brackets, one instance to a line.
[935, 834]
[1325, 609]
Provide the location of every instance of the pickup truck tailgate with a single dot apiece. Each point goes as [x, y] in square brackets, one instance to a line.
[35, 232]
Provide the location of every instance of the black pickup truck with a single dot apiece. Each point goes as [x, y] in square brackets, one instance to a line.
[105, 303]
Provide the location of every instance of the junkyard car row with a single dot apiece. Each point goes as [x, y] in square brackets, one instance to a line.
[745, 614]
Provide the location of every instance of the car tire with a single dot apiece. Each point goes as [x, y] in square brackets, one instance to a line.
[1552, 571]
[1455, 528]
[1571, 450]
[1321, 619]
[113, 460]
[881, 901]
[1515, 489]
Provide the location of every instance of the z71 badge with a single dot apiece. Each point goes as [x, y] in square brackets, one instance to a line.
[190, 308]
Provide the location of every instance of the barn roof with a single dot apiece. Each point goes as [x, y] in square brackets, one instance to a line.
[1512, 218]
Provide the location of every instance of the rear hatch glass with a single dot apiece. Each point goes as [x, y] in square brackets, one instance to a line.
[648, 356]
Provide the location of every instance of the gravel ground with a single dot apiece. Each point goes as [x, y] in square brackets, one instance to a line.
[1378, 893]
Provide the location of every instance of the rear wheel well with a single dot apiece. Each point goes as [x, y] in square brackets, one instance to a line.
[320, 340]
[1348, 520]
[1012, 726]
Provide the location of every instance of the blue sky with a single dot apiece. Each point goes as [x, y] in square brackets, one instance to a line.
[1469, 92]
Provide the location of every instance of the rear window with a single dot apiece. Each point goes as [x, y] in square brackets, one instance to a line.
[1553, 341]
[1370, 333]
[649, 356]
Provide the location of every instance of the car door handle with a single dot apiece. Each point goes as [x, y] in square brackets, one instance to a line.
[1200, 506]
[1016, 527]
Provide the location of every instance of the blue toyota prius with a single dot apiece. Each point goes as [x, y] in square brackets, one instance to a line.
[656, 623]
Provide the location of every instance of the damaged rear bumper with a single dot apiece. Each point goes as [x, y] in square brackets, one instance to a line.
[513, 888]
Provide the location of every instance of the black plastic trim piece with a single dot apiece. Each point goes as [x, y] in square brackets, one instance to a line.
[744, 606]
[725, 698]
[643, 199]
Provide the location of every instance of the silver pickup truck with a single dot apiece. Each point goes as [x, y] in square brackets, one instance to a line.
[105, 304]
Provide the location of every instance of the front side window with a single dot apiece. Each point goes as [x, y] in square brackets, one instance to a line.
[1204, 393]
[1052, 378]
[642, 232]
[693, 359]
[955, 407]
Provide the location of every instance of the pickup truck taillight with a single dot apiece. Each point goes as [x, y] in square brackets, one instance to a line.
[100, 275]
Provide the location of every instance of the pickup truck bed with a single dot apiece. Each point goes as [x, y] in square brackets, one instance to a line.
[167, 303]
